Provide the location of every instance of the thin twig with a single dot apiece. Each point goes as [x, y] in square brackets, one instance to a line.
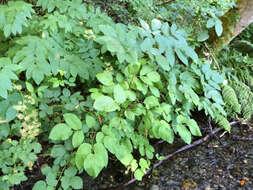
[211, 130]
[236, 137]
[214, 59]
[195, 143]
[164, 3]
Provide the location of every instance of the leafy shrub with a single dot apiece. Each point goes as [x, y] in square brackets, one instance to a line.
[91, 88]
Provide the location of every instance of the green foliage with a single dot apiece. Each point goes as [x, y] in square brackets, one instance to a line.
[87, 88]
[15, 157]
[245, 96]
[7, 75]
[237, 62]
[230, 98]
[14, 16]
[222, 121]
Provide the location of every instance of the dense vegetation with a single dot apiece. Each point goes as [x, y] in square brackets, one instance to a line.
[81, 82]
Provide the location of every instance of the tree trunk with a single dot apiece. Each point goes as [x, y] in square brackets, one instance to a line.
[232, 25]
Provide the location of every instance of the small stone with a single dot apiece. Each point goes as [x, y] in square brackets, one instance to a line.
[137, 188]
[154, 187]
[103, 186]
[187, 184]
[208, 187]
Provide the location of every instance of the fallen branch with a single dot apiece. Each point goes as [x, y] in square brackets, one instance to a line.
[236, 137]
[195, 143]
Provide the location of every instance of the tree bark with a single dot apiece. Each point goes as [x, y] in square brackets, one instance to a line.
[232, 25]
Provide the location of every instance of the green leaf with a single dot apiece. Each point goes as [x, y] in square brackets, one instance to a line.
[144, 164]
[151, 101]
[65, 182]
[130, 115]
[144, 24]
[215, 95]
[140, 86]
[90, 121]
[6, 77]
[15, 15]
[29, 87]
[203, 36]
[119, 94]
[33, 57]
[4, 131]
[111, 143]
[190, 52]
[181, 56]
[154, 91]
[77, 138]
[146, 69]
[156, 24]
[7, 30]
[70, 172]
[147, 44]
[166, 132]
[100, 150]
[223, 122]
[131, 95]
[112, 44]
[194, 128]
[105, 103]
[82, 152]
[105, 78]
[218, 27]
[108, 30]
[11, 113]
[38, 75]
[94, 163]
[40, 185]
[60, 132]
[153, 76]
[138, 174]
[146, 80]
[58, 151]
[124, 156]
[99, 137]
[210, 23]
[184, 133]
[163, 62]
[76, 182]
[73, 121]
[181, 119]
[51, 179]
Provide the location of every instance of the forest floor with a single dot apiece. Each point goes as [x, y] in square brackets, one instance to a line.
[223, 163]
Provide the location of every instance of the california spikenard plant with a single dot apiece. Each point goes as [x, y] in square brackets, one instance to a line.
[93, 88]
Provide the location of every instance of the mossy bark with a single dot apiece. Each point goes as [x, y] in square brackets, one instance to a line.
[234, 22]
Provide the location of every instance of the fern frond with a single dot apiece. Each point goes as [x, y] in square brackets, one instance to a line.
[230, 98]
[245, 97]
[223, 122]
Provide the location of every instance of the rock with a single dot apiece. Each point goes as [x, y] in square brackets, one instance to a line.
[137, 188]
[154, 187]
[187, 184]
[208, 187]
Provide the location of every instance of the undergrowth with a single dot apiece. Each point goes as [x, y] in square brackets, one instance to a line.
[88, 87]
